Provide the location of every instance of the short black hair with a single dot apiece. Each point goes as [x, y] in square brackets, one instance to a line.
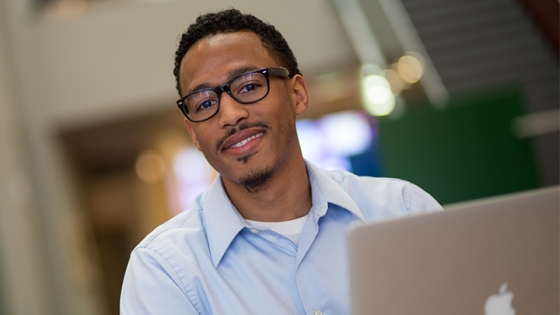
[232, 20]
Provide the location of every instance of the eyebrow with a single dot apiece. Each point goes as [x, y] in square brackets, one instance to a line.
[230, 75]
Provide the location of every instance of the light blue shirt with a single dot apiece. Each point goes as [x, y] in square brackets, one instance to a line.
[209, 260]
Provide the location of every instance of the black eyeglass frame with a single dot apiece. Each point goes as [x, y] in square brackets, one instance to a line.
[276, 71]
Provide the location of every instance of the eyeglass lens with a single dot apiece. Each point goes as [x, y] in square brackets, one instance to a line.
[247, 88]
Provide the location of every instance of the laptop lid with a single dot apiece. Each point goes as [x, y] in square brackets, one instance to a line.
[495, 256]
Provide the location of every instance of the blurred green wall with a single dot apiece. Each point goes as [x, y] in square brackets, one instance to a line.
[465, 151]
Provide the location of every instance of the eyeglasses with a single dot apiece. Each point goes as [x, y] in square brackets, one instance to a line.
[247, 88]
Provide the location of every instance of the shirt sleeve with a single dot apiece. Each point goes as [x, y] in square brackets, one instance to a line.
[421, 201]
[151, 286]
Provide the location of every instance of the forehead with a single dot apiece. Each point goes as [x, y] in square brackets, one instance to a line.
[211, 59]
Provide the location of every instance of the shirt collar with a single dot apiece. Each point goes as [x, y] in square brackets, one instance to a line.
[221, 219]
[327, 190]
[223, 222]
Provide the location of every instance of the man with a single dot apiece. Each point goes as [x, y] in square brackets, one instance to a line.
[269, 235]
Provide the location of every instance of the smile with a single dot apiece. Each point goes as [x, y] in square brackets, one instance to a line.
[245, 141]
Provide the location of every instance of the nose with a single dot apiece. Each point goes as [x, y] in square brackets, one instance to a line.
[231, 112]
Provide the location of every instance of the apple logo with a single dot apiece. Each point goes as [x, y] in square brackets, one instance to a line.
[500, 304]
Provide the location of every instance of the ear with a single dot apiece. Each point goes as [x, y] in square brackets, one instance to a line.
[191, 132]
[299, 90]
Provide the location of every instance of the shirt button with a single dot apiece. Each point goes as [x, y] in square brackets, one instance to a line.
[318, 312]
[254, 231]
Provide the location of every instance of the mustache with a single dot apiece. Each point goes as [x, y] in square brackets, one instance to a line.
[241, 127]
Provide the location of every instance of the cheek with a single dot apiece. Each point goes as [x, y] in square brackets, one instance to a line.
[205, 144]
[202, 139]
[281, 108]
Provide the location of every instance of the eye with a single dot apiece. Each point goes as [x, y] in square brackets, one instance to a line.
[206, 104]
[249, 88]
[202, 101]
[249, 83]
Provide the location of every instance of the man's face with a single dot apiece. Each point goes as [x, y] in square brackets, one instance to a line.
[243, 142]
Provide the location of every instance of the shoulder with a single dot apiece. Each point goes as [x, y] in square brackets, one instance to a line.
[346, 179]
[188, 221]
[379, 197]
[161, 266]
[181, 235]
[352, 182]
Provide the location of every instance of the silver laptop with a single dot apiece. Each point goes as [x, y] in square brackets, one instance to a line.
[495, 256]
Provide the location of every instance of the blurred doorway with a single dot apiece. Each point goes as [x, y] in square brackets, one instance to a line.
[122, 170]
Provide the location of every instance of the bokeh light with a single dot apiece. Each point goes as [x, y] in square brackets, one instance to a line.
[377, 96]
[150, 167]
[410, 68]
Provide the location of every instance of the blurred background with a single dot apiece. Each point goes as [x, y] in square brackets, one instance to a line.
[457, 96]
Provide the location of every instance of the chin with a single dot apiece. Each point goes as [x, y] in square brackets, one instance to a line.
[256, 179]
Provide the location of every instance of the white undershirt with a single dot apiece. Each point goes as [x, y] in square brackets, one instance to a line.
[290, 229]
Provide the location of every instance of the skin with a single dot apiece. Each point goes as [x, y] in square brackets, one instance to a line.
[286, 195]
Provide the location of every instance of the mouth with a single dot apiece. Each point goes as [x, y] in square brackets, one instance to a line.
[243, 138]
[245, 141]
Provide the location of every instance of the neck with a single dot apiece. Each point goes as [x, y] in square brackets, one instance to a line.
[285, 196]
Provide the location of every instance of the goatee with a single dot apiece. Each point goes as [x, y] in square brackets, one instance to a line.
[256, 180]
